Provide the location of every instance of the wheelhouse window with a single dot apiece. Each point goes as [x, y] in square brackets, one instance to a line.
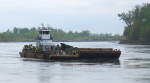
[44, 32]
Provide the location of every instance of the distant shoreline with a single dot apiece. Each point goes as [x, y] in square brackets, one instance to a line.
[62, 41]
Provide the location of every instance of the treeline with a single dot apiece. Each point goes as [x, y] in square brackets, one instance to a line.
[26, 34]
[137, 21]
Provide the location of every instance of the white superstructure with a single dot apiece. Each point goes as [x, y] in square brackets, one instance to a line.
[44, 39]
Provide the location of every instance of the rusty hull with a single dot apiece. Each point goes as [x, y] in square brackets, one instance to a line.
[71, 53]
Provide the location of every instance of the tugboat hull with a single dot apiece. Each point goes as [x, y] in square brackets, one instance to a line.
[72, 53]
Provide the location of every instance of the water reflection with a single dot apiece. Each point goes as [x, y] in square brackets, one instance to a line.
[44, 74]
[56, 72]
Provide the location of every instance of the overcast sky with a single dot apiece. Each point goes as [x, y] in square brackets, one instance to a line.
[98, 16]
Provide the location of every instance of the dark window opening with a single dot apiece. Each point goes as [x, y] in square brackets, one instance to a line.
[44, 32]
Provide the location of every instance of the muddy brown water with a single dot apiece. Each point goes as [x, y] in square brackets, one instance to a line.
[133, 66]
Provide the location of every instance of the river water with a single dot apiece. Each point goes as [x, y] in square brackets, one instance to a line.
[133, 66]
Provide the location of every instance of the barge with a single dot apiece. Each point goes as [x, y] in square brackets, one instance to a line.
[46, 49]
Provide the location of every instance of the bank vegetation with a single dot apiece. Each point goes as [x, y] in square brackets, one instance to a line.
[30, 34]
[137, 29]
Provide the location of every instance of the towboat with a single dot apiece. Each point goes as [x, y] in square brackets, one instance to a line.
[46, 49]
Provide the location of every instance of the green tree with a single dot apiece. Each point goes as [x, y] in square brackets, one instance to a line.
[137, 23]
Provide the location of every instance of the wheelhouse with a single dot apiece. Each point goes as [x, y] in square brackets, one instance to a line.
[45, 39]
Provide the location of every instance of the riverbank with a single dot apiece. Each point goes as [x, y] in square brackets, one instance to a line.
[30, 35]
[84, 40]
